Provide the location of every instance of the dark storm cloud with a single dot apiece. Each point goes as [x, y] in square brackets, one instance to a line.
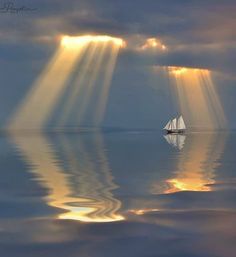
[190, 29]
[176, 21]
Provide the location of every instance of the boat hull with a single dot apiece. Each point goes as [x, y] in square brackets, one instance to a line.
[175, 131]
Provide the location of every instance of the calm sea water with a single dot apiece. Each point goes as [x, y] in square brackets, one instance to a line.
[118, 194]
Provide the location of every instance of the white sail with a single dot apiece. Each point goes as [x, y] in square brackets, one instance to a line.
[167, 126]
[180, 123]
[174, 124]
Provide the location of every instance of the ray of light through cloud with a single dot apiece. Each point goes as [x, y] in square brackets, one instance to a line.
[103, 96]
[41, 99]
[196, 95]
[54, 81]
[92, 75]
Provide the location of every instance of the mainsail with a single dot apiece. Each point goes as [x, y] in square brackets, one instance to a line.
[175, 124]
[180, 123]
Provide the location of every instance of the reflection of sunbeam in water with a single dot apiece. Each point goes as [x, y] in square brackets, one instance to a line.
[94, 202]
[197, 163]
[95, 182]
[197, 97]
[84, 56]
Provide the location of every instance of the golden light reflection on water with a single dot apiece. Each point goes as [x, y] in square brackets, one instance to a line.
[197, 163]
[86, 194]
[143, 211]
[76, 171]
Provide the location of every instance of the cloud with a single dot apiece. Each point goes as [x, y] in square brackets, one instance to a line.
[197, 34]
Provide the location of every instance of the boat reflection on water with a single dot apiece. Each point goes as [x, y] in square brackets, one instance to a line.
[81, 188]
[176, 140]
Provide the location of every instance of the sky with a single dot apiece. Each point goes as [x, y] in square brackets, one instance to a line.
[179, 33]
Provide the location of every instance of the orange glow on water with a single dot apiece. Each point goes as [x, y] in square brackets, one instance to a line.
[143, 211]
[187, 184]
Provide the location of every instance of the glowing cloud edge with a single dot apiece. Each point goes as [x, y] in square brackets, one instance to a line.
[73, 41]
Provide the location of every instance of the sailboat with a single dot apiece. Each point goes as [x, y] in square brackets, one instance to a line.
[176, 126]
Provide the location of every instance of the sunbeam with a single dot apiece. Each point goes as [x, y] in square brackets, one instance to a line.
[93, 59]
[92, 76]
[197, 97]
[79, 82]
[103, 95]
[39, 103]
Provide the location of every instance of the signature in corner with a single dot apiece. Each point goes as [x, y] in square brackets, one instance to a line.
[10, 7]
